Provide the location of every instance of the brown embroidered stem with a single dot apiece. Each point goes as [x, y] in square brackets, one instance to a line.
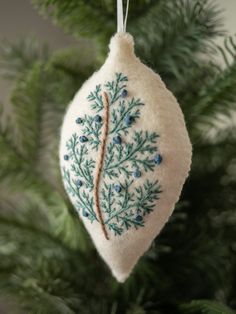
[100, 163]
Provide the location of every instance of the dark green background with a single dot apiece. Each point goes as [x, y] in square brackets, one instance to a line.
[47, 261]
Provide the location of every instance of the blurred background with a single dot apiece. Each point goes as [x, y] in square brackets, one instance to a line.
[19, 19]
[48, 264]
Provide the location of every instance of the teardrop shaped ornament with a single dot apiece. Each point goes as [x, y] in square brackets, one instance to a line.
[125, 154]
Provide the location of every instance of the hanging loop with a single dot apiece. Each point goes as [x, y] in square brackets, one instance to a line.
[121, 22]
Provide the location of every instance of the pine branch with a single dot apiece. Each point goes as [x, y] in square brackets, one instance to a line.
[92, 130]
[32, 213]
[83, 200]
[26, 100]
[118, 156]
[146, 196]
[17, 58]
[215, 99]
[89, 17]
[24, 230]
[75, 62]
[96, 98]
[206, 307]
[115, 87]
[171, 49]
[35, 118]
[82, 168]
[118, 115]
[11, 159]
[130, 207]
[192, 79]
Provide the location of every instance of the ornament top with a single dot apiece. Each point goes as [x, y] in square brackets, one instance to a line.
[122, 46]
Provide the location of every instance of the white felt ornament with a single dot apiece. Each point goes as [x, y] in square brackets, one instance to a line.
[124, 154]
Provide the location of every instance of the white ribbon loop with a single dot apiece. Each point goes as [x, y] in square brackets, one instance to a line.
[121, 23]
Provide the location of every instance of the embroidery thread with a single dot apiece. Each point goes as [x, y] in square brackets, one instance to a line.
[100, 164]
[116, 203]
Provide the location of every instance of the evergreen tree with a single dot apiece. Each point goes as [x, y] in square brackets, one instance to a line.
[47, 261]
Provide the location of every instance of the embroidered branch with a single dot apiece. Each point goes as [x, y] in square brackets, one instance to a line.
[100, 164]
[125, 196]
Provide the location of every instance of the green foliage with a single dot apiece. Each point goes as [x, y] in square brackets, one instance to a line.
[205, 307]
[47, 261]
[90, 18]
[17, 58]
[196, 24]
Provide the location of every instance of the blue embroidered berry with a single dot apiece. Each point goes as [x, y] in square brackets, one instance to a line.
[79, 183]
[117, 139]
[157, 159]
[98, 118]
[79, 120]
[139, 218]
[118, 188]
[85, 214]
[128, 120]
[124, 93]
[66, 157]
[83, 139]
[137, 173]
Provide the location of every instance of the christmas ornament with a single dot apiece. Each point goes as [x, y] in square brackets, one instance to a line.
[124, 154]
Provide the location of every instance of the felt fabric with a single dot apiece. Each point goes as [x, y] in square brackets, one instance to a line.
[147, 156]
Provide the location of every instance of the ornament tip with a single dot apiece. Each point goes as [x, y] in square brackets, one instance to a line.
[121, 277]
